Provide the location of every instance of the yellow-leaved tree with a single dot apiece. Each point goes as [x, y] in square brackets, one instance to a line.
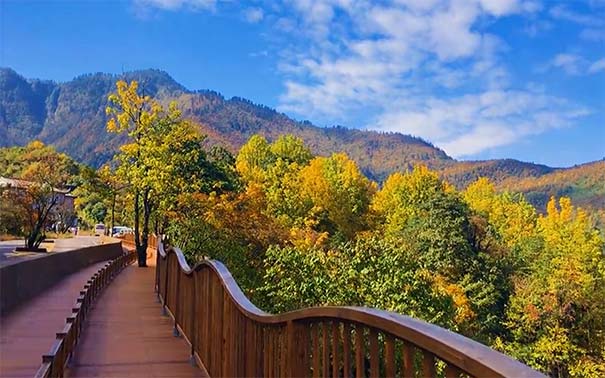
[556, 316]
[163, 158]
[340, 194]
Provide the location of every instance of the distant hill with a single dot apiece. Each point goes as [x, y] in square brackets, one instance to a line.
[585, 184]
[71, 116]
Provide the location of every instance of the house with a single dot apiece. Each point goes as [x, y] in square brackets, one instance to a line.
[65, 200]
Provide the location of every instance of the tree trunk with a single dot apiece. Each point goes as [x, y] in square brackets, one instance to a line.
[141, 250]
[113, 212]
[34, 239]
[145, 236]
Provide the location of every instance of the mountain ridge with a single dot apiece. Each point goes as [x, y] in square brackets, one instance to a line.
[71, 116]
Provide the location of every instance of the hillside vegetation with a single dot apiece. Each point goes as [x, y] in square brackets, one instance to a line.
[297, 229]
[71, 116]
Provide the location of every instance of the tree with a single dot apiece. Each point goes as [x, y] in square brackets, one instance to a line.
[340, 194]
[556, 316]
[37, 197]
[144, 121]
[512, 216]
[163, 159]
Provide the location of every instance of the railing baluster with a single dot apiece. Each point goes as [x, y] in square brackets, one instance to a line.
[359, 352]
[408, 360]
[428, 364]
[346, 350]
[316, 353]
[325, 349]
[374, 354]
[389, 351]
[452, 371]
[335, 346]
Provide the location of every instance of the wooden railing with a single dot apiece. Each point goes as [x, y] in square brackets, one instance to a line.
[128, 240]
[230, 337]
[54, 362]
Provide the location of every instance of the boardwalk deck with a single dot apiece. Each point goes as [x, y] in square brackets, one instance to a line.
[29, 331]
[126, 335]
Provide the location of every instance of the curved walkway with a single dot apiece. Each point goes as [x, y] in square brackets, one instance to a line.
[29, 331]
[125, 334]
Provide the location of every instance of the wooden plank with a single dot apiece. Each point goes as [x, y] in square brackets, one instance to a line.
[389, 351]
[304, 366]
[283, 352]
[335, 347]
[227, 358]
[452, 371]
[315, 351]
[408, 360]
[428, 364]
[346, 350]
[325, 349]
[270, 353]
[374, 355]
[359, 352]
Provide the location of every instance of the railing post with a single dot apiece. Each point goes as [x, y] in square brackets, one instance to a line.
[166, 274]
[192, 327]
[176, 312]
[158, 270]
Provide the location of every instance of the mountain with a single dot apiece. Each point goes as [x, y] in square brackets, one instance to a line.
[585, 184]
[71, 116]
[499, 170]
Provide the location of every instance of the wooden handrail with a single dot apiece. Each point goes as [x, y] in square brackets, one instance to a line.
[128, 239]
[230, 337]
[54, 362]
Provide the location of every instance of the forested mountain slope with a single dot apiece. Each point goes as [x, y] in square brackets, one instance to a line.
[71, 116]
[585, 184]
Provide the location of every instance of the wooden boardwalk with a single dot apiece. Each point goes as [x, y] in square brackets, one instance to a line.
[29, 331]
[126, 335]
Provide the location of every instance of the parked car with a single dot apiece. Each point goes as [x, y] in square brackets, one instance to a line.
[99, 229]
[118, 231]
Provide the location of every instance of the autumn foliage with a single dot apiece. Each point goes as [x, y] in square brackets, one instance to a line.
[299, 230]
[307, 230]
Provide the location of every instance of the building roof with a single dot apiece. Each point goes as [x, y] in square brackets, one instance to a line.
[15, 183]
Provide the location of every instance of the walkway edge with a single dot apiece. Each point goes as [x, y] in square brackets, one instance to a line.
[54, 362]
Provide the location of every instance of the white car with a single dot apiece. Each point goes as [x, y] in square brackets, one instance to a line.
[99, 229]
[121, 231]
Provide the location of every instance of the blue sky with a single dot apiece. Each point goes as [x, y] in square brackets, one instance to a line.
[479, 78]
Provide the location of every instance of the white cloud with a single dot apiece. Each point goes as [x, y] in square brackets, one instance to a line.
[570, 63]
[424, 67]
[254, 15]
[574, 64]
[469, 124]
[593, 22]
[561, 12]
[394, 58]
[597, 66]
[177, 4]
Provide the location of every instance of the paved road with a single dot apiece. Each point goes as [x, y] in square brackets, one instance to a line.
[9, 246]
[7, 255]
